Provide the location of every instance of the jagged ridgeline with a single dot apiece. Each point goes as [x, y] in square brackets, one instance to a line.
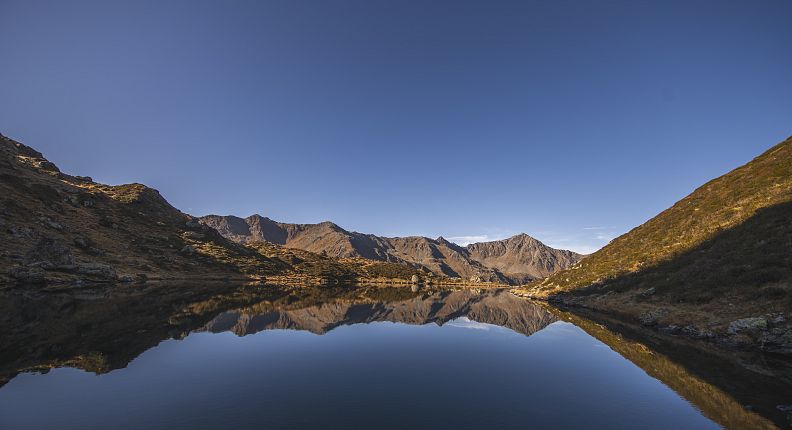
[59, 228]
[516, 260]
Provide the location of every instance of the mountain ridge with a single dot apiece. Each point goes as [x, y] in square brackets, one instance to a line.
[515, 260]
[57, 228]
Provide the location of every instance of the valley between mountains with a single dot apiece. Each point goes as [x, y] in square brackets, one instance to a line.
[716, 266]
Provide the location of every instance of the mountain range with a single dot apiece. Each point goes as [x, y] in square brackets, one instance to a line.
[515, 260]
[716, 265]
[61, 228]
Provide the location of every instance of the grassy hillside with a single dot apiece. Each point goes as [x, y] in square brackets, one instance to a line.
[719, 255]
[709, 211]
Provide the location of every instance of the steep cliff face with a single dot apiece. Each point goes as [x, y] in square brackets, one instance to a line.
[515, 260]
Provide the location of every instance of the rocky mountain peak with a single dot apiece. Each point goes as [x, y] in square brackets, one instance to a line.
[502, 261]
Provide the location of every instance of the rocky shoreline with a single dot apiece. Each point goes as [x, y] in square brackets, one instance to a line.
[770, 333]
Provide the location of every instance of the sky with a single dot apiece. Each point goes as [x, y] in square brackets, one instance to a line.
[572, 121]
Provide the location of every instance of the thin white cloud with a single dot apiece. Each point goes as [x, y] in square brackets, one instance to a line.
[580, 248]
[465, 322]
[605, 236]
[467, 240]
[594, 228]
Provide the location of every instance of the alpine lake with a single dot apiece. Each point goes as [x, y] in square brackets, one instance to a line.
[215, 356]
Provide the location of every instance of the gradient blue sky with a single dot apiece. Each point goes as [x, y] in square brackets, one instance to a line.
[570, 121]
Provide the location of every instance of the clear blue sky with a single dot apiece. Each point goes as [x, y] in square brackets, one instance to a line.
[570, 121]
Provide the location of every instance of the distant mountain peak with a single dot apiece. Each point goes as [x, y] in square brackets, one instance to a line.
[514, 260]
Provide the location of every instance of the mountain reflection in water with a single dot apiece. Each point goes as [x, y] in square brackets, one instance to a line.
[430, 362]
[491, 307]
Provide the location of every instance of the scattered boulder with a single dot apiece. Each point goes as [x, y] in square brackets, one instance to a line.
[651, 318]
[87, 245]
[193, 235]
[188, 250]
[50, 252]
[45, 265]
[648, 292]
[28, 275]
[752, 324]
[415, 279]
[106, 221]
[778, 340]
[193, 224]
[80, 199]
[126, 278]
[81, 242]
[49, 222]
[97, 270]
[672, 329]
[48, 166]
[697, 333]
[21, 232]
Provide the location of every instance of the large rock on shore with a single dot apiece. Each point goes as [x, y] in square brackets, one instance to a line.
[752, 324]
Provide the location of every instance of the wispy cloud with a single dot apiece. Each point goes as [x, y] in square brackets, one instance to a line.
[572, 245]
[467, 240]
[465, 322]
[587, 241]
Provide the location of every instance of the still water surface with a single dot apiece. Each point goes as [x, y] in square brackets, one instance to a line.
[423, 363]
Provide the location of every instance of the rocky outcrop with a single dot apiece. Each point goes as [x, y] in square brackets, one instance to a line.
[522, 257]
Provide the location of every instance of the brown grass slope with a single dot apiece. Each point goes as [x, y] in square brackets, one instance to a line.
[720, 254]
[59, 227]
[716, 206]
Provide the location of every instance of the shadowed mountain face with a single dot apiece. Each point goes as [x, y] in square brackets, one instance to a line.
[59, 227]
[514, 260]
[715, 207]
[717, 262]
[496, 307]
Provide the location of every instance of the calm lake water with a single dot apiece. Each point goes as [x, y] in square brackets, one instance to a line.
[437, 360]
